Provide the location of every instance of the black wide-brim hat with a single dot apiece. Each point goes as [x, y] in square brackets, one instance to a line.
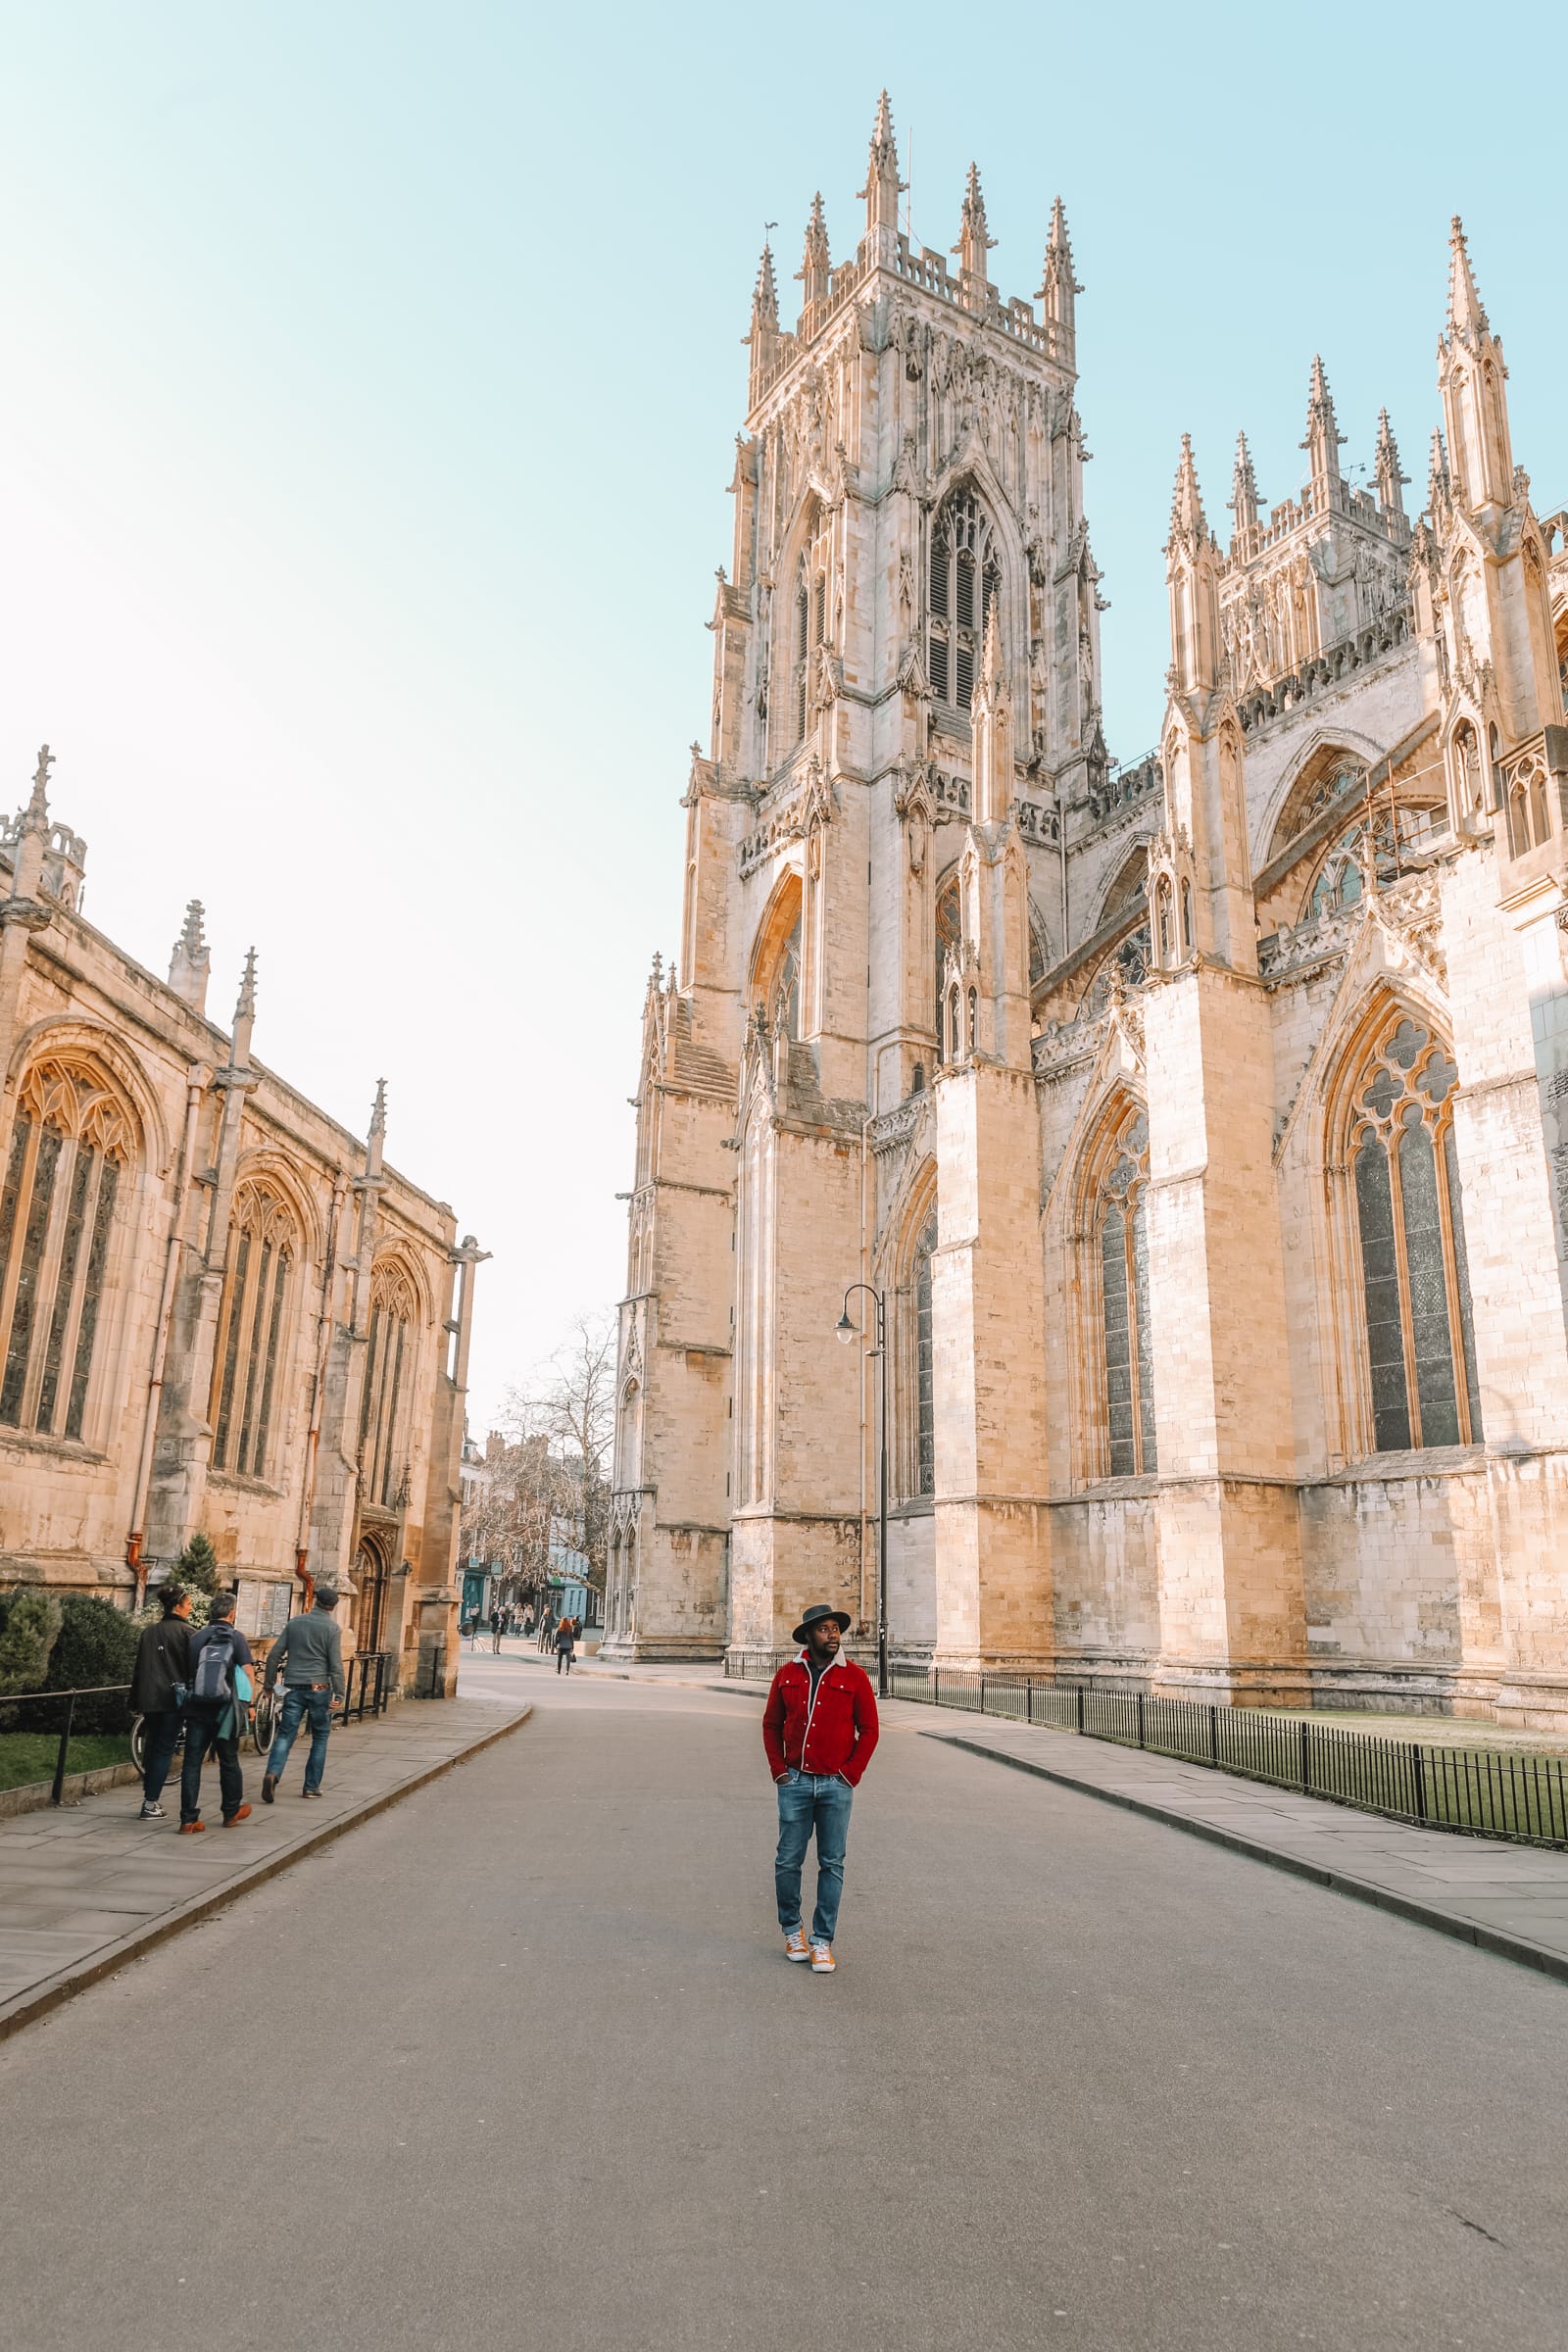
[818, 1615]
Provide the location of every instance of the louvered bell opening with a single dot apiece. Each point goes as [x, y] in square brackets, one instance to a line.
[966, 595]
[938, 582]
[938, 667]
[964, 681]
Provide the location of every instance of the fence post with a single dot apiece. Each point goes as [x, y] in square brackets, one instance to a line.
[1306, 1757]
[1213, 1734]
[982, 1694]
[59, 1788]
[936, 1685]
[1029, 1701]
[1418, 1762]
[1140, 1719]
[1080, 1706]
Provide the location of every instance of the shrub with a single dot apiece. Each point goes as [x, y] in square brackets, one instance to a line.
[29, 1623]
[97, 1645]
[197, 1566]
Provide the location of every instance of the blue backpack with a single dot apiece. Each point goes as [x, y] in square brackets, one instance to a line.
[212, 1684]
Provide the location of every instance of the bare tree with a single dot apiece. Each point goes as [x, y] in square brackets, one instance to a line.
[576, 1407]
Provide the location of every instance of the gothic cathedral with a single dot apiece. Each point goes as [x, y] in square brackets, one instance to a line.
[1198, 1124]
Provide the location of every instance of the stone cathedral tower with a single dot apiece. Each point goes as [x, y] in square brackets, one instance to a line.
[1199, 1123]
[905, 694]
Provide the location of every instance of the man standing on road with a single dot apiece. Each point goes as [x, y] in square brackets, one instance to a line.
[309, 1651]
[819, 1727]
[159, 1683]
[213, 1718]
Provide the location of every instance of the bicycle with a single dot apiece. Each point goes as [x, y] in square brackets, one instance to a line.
[261, 1720]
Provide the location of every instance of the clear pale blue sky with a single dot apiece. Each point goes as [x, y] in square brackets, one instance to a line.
[372, 378]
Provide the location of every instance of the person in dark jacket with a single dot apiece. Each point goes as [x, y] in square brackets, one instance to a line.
[214, 1723]
[819, 1727]
[159, 1682]
[565, 1644]
[308, 1653]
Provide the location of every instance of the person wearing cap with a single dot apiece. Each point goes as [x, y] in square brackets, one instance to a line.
[308, 1653]
[819, 1727]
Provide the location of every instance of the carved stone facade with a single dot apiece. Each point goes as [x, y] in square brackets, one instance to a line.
[219, 1309]
[1202, 1120]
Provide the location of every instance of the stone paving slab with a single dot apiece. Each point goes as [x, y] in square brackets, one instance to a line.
[1508, 1899]
[86, 1888]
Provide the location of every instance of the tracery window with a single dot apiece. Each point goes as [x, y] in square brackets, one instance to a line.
[1341, 879]
[784, 1001]
[949, 964]
[388, 1383]
[262, 1252]
[1121, 1231]
[966, 576]
[808, 626]
[71, 1145]
[1415, 1279]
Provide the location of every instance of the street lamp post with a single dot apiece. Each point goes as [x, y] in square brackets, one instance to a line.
[847, 1332]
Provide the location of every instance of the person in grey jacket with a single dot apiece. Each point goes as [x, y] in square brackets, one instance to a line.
[308, 1653]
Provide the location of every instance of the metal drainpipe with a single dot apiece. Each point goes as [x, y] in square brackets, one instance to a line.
[195, 1088]
[302, 1545]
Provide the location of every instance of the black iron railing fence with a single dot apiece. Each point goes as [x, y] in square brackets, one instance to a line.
[1480, 1791]
[67, 1713]
[372, 1671]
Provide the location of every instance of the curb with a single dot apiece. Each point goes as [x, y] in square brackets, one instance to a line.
[1518, 1948]
[38, 1999]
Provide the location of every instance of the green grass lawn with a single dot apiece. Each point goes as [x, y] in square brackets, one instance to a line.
[30, 1757]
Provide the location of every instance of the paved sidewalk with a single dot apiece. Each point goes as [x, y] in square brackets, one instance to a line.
[85, 1887]
[1508, 1899]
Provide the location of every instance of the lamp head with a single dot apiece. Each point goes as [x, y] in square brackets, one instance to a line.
[845, 1328]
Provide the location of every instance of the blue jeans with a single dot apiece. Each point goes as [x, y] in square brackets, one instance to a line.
[297, 1703]
[808, 1801]
[159, 1730]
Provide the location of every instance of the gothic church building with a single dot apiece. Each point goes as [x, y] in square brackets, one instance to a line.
[1199, 1122]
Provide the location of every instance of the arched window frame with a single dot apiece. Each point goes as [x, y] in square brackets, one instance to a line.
[965, 578]
[250, 1352]
[1402, 1263]
[1117, 1416]
[391, 1381]
[800, 629]
[71, 1155]
[775, 977]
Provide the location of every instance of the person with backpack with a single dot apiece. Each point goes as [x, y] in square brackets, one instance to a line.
[220, 1656]
[565, 1644]
[308, 1653]
[159, 1685]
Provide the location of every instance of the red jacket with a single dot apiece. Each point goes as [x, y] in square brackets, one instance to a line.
[834, 1733]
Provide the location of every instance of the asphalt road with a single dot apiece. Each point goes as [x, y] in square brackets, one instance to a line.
[521, 2064]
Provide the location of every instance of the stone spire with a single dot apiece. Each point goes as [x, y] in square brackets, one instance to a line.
[1192, 575]
[815, 267]
[240, 1051]
[991, 716]
[1471, 377]
[974, 242]
[1324, 439]
[1186, 517]
[762, 341]
[1244, 499]
[190, 964]
[883, 186]
[1390, 480]
[1059, 286]
[32, 839]
[1438, 484]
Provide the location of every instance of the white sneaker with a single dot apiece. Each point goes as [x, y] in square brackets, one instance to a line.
[152, 1812]
[796, 1946]
[822, 1961]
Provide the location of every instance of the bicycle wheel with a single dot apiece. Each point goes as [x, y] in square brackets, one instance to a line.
[138, 1742]
[263, 1722]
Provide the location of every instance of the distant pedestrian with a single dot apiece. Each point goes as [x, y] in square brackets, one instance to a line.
[498, 1626]
[527, 1625]
[214, 1717]
[565, 1642]
[547, 1627]
[819, 1727]
[159, 1682]
[308, 1653]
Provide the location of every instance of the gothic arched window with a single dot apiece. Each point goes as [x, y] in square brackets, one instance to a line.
[71, 1144]
[966, 576]
[1409, 1217]
[949, 963]
[784, 1003]
[1340, 878]
[924, 1481]
[388, 1383]
[1118, 1231]
[262, 1252]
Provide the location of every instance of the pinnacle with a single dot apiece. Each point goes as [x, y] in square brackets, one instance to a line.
[1186, 516]
[882, 129]
[191, 937]
[991, 651]
[379, 1109]
[245, 1008]
[38, 803]
[1466, 312]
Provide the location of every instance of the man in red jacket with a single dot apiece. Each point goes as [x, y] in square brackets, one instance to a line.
[818, 1727]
